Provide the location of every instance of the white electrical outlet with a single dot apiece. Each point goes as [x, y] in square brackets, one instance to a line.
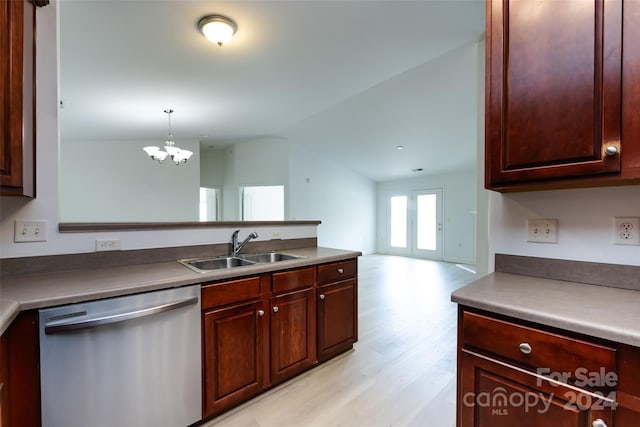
[30, 231]
[107, 245]
[542, 230]
[626, 231]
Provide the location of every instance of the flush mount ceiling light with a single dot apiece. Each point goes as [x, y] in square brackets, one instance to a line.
[217, 28]
[178, 155]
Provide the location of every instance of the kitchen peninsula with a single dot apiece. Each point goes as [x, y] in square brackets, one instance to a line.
[320, 285]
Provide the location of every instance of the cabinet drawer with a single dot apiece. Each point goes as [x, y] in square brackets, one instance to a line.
[230, 292]
[549, 351]
[337, 271]
[295, 279]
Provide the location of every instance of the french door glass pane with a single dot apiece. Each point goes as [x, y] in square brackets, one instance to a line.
[427, 227]
[399, 221]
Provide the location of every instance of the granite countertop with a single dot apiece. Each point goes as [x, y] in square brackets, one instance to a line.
[598, 311]
[35, 291]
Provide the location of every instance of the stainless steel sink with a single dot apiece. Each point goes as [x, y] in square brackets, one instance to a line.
[269, 257]
[202, 265]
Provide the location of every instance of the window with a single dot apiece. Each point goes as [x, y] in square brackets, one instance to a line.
[209, 198]
[399, 222]
[427, 221]
[264, 203]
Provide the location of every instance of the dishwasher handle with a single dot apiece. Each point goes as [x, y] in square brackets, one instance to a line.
[119, 317]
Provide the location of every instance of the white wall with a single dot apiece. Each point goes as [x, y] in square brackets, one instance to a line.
[459, 212]
[343, 200]
[585, 218]
[212, 167]
[482, 200]
[263, 161]
[585, 223]
[230, 209]
[45, 206]
[115, 181]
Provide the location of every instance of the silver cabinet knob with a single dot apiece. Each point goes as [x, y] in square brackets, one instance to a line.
[611, 150]
[599, 423]
[275, 309]
[340, 270]
[321, 296]
[525, 348]
[260, 313]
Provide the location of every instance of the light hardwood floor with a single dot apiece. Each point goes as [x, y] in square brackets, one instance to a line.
[400, 373]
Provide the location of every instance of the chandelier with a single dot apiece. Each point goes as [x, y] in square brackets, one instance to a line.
[178, 155]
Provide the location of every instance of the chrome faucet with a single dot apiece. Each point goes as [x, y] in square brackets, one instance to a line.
[237, 247]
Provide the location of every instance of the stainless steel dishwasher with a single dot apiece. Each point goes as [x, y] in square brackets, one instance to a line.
[131, 361]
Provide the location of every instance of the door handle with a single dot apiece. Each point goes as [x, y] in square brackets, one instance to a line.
[118, 317]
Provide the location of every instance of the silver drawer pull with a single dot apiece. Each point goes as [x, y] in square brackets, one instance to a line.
[340, 270]
[525, 348]
[275, 309]
[599, 423]
[321, 296]
[260, 313]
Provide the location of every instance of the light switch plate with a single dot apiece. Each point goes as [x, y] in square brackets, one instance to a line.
[542, 230]
[30, 231]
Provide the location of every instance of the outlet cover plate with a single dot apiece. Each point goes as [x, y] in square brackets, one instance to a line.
[107, 245]
[626, 231]
[542, 230]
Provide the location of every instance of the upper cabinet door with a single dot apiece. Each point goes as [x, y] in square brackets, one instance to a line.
[553, 90]
[17, 98]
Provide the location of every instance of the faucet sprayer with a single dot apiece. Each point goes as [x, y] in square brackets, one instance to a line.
[237, 247]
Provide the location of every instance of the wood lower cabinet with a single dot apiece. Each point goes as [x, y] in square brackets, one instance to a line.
[555, 114]
[235, 353]
[235, 342]
[496, 394]
[628, 393]
[4, 374]
[293, 334]
[337, 306]
[293, 324]
[262, 330]
[514, 373]
[19, 373]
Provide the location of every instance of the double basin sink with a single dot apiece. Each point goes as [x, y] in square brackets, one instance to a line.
[203, 265]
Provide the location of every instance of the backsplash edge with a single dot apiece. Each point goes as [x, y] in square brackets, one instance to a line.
[592, 273]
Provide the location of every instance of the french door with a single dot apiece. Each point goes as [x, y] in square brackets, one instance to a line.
[415, 224]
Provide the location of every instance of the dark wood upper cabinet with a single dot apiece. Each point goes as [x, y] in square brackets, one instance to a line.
[554, 94]
[17, 98]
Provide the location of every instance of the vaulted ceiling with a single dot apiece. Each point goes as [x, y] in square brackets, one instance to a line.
[344, 78]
